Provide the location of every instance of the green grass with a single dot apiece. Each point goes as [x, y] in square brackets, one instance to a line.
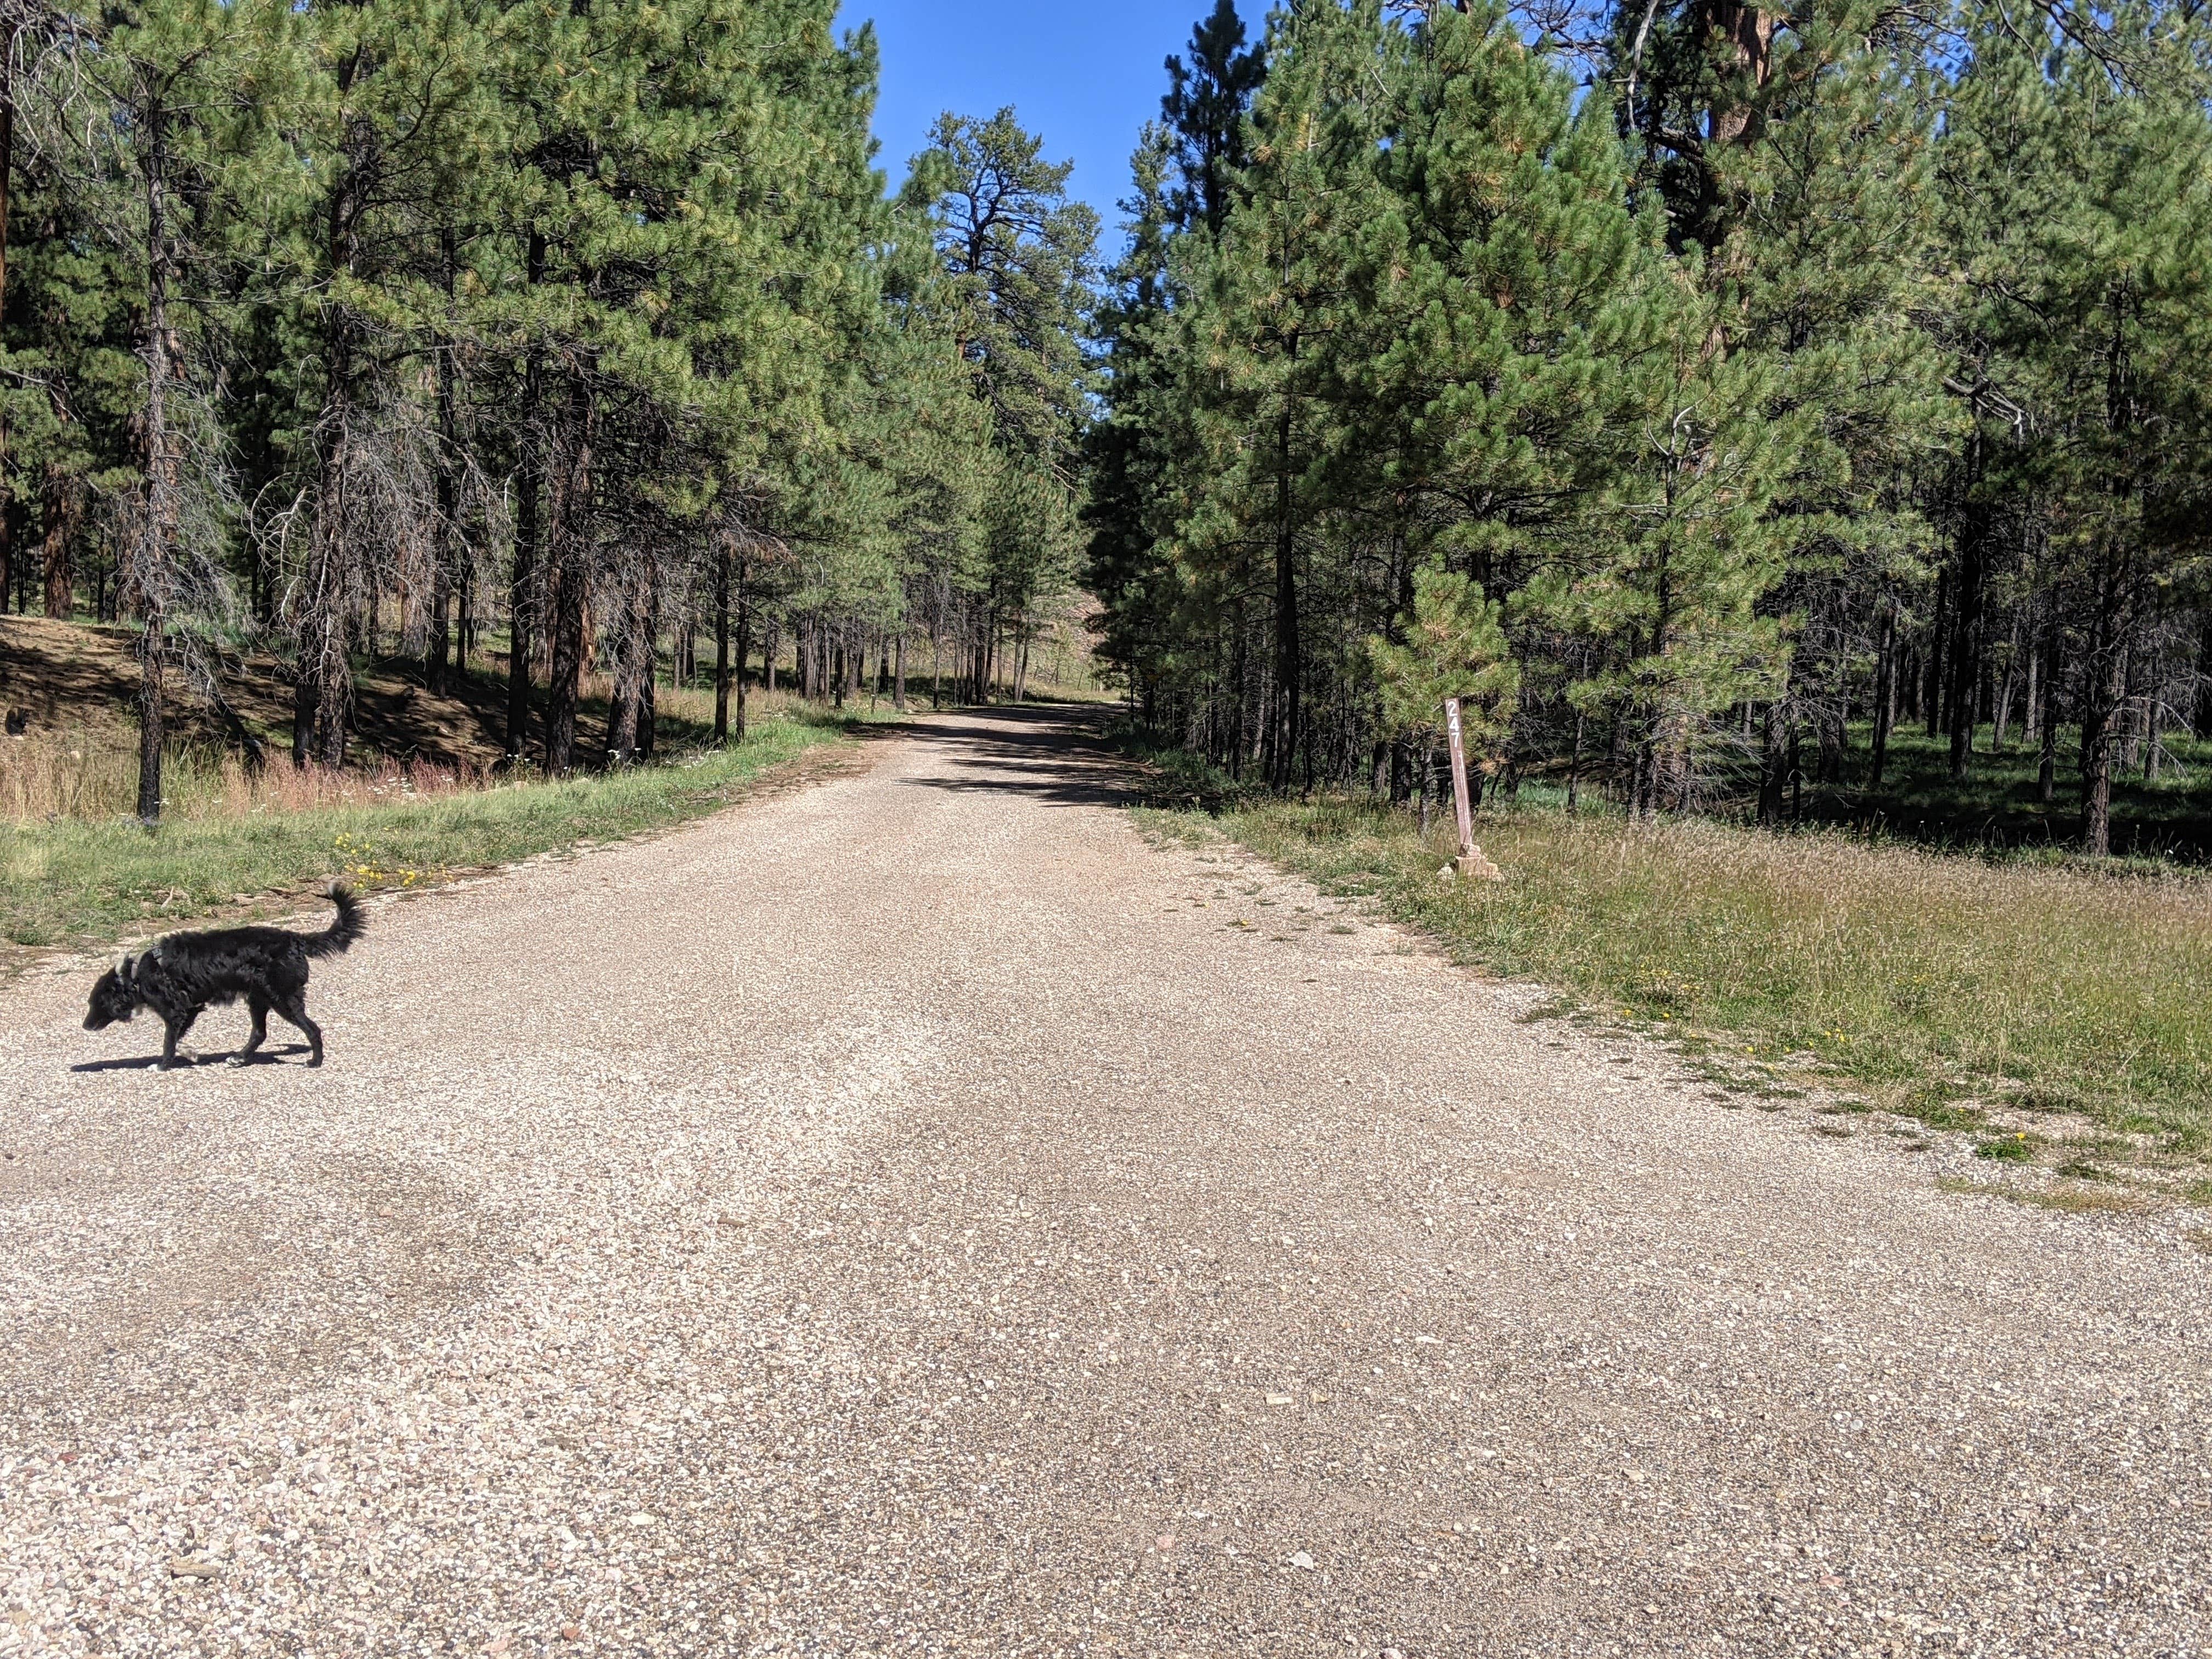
[1942, 985]
[79, 884]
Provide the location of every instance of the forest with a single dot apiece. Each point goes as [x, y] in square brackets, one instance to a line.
[1718, 398]
[1721, 401]
[567, 338]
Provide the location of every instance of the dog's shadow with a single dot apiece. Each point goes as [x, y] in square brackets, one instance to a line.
[269, 1056]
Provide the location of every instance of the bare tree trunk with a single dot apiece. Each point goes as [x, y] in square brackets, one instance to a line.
[571, 574]
[771, 647]
[156, 541]
[898, 684]
[722, 639]
[7, 182]
[439, 646]
[522, 595]
[649, 690]
[529, 528]
[464, 637]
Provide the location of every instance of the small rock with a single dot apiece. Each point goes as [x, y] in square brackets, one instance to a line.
[571, 1633]
[1281, 1400]
[1164, 1542]
[1302, 1561]
[497, 1644]
[183, 1566]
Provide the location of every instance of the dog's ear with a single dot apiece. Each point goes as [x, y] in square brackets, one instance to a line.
[127, 968]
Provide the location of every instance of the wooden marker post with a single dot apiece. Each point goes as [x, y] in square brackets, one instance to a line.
[1470, 862]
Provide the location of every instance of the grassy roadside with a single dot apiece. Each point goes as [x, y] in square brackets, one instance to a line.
[2058, 1013]
[75, 883]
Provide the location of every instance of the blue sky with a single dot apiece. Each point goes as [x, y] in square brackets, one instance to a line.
[1084, 76]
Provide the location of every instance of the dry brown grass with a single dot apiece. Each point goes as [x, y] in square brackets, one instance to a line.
[90, 775]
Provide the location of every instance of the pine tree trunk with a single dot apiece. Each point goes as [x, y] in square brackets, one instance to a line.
[1967, 638]
[2001, 715]
[625, 694]
[1931, 689]
[1774, 772]
[898, 684]
[1284, 733]
[58, 502]
[2103, 691]
[1885, 691]
[2046, 715]
[744, 645]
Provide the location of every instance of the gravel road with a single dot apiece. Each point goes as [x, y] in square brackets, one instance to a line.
[917, 1216]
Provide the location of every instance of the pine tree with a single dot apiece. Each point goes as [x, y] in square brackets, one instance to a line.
[1451, 646]
[195, 81]
[1017, 258]
[2081, 217]
[1204, 111]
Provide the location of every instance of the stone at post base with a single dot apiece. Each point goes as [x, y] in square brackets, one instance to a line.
[1472, 866]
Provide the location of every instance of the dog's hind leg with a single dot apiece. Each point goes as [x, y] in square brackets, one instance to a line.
[295, 1009]
[258, 1006]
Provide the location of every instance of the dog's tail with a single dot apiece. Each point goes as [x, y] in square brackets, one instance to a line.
[348, 924]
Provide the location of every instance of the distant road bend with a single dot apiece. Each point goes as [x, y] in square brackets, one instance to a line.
[917, 1216]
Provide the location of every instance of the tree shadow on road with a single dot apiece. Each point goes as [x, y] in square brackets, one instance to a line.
[1051, 753]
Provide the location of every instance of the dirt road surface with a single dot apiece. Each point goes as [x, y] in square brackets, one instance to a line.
[918, 1216]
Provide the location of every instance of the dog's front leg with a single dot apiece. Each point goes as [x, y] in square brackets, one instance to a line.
[173, 1031]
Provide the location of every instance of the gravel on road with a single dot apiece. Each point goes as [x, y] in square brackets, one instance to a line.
[918, 1216]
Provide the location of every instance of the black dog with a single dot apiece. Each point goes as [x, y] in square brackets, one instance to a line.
[185, 973]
